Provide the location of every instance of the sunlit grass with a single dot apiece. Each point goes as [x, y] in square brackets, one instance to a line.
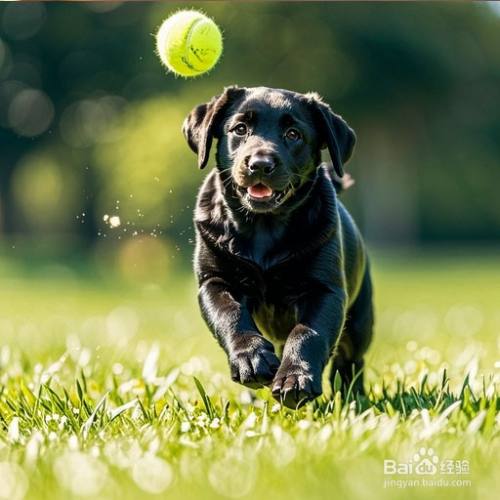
[119, 392]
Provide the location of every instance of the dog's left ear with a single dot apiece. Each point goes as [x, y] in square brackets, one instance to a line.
[335, 133]
[202, 124]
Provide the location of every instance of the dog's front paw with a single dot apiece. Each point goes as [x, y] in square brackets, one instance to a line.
[295, 385]
[253, 361]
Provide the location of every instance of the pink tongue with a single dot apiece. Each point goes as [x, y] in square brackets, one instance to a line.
[259, 191]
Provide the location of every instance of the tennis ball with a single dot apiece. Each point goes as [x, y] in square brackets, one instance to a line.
[189, 43]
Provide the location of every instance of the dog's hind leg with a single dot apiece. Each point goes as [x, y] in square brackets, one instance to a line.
[348, 359]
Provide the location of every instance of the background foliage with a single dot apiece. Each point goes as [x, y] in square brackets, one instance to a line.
[90, 123]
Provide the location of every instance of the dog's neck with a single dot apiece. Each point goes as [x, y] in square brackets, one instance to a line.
[266, 239]
[258, 237]
[265, 234]
[258, 233]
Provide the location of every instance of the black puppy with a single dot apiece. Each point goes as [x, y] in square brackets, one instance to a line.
[278, 258]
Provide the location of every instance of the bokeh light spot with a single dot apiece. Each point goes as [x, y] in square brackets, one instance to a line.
[81, 474]
[144, 260]
[233, 476]
[45, 192]
[30, 113]
[90, 121]
[22, 21]
[8, 90]
[152, 474]
[13, 481]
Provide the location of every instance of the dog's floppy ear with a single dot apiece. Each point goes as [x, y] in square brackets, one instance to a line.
[335, 134]
[202, 124]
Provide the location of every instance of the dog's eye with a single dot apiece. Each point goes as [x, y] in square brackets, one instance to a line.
[240, 129]
[292, 134]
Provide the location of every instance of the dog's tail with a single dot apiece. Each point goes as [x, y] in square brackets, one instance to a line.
[340, 183]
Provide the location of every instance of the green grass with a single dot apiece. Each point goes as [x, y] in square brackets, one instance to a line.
[110, 391]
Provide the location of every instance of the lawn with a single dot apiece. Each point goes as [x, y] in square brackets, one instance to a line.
[114, 391]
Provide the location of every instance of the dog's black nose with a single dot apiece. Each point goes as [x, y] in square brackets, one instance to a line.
[261, 163]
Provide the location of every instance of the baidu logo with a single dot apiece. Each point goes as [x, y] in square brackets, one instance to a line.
[426, 469]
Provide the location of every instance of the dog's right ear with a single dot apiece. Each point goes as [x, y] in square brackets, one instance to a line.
[202, 124]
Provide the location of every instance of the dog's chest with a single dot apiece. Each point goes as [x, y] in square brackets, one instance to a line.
[275, 321]
[259, 246]
[274, 292]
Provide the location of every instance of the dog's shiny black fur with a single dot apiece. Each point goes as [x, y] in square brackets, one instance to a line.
[284, 282]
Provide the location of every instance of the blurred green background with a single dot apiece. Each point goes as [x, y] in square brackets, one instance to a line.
[90, 123]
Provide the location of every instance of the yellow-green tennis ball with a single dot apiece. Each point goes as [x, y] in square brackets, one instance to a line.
[189, 43]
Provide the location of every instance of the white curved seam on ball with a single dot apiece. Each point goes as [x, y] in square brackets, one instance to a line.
[187, 45]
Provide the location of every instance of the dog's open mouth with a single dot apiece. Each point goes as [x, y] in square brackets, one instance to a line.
[260, 192]
[261, 197]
